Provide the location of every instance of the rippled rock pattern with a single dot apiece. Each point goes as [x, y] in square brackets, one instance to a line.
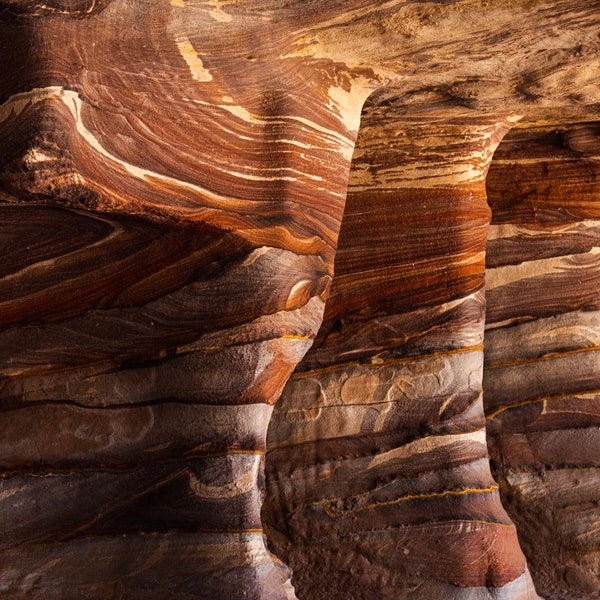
[173, 178]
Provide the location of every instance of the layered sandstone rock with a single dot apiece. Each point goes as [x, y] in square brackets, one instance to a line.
[169, 241]
[173, 178]
[377, 468]
[542, 349]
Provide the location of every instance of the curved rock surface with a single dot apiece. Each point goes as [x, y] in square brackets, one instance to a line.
[542, 348]
[377, 463]
[173, 178]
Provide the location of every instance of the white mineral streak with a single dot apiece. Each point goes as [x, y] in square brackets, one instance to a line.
[19, 102]
[500, 276]
[553, 407]
[299, 287]
[245, 483]
[54, 9]
[336, 138]
[197, 68]
[7, 494]
[35, 155]
[506, 231]
[349, 103]
[15, 104]
[429, 444]
[219, 201]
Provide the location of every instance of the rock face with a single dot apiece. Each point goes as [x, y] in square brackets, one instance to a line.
[173, 180]
[379, 440]
[542, 374]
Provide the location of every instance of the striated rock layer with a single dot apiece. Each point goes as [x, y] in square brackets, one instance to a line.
[166, 251]
[377, 467]
[173, 176]
[542, 349]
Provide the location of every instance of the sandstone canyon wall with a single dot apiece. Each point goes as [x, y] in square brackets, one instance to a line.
[174, 177]
[542, 372]
[379, 439]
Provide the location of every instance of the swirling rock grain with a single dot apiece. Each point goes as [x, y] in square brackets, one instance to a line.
[173, 176]
[377, 464]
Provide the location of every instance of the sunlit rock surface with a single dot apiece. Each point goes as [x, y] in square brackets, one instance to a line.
[174, 176]
[377, 462]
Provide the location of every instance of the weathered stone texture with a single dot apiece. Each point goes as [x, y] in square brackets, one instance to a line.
[173, 180]
[542, 375]
[377, 455]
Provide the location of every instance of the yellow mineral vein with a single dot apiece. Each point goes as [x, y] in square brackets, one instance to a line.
[502, 409]
[199, 71]
[536, 359]
[383, 363]
[336, 514]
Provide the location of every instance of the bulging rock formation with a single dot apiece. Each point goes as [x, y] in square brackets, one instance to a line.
[542, 372]
[377, 451]
[174, 177]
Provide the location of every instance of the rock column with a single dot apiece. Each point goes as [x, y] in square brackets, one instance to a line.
[377, 465]
[542, 349]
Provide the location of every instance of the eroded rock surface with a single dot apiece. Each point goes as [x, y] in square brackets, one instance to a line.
[542, 375]
[173, 177]
[378, 465]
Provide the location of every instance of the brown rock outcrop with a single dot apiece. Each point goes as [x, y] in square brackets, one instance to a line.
[377, 463]
[158, 292]
[173, 178]
[542, 375]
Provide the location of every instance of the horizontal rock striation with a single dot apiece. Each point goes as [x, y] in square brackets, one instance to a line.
[377, 464]
[167, 235]
[542, 349]
[173, 176]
